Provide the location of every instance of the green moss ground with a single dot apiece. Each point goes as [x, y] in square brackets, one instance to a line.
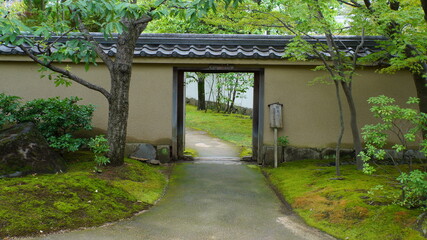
[191, 152]
[234, 128]
[345, 208]
[79, 198]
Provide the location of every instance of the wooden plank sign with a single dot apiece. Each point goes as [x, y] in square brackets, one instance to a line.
[276, 115]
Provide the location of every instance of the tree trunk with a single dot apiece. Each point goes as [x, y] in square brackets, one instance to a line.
[233, 98]
[201, 105]
[353, 123]
[424, 5]
[119, 99]
[421, 85]
[118, 118]
[341, 133]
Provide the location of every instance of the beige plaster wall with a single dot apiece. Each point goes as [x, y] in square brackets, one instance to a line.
[150, 96]
[311, 112]
[23, 79]
[150, 114]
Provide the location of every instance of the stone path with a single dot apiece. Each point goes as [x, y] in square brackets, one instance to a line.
[210, 147]
[221, 199]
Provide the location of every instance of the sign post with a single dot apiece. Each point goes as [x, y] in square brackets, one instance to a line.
[275, 123]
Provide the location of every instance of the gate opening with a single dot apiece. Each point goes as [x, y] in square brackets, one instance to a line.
[220, 94]
[218, 115]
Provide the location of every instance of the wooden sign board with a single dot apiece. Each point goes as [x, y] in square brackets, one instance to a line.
[219, 67]
[276, 115]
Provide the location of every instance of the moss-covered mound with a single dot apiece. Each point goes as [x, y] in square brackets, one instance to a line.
[79, 198]
[357, 207]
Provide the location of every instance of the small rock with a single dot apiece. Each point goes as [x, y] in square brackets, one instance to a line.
[144, 150]
[187, 158]
[16, 174]
[154, 162]
[329, 153]
[164, 153]
[293, 153]
[247, 159]
[413, 154]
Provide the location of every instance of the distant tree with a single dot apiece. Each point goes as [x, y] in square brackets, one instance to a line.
[233, 86]
[220, 21]
[200, 79]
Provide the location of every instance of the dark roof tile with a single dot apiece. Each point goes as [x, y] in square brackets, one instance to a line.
[216, 45]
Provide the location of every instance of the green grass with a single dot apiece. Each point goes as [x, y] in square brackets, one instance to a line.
[345, 208]
[191, 152]
[234, 128]
[79, 198]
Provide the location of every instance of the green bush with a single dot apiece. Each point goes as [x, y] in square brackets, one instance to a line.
[99, 146]
[9, 105]
[57, 119]
[283, 141]
[414, 189]
[406, 124]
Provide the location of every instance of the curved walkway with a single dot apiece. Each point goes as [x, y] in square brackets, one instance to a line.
[209, 200]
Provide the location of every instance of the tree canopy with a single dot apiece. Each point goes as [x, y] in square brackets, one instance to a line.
[52, 32]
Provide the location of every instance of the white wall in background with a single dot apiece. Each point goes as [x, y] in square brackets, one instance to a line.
[246, 100]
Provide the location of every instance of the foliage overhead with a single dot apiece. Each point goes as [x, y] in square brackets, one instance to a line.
[60, 29]
[404, 24]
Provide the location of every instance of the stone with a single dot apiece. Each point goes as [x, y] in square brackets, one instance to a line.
[23, 149]
[247, 159]
[154, 162]
[269, 155]
[293, 154]
[329, 153]
[187, 158]
[392, 154]
[144, 150]
[130, 148]
[414, 154]
[164, 153]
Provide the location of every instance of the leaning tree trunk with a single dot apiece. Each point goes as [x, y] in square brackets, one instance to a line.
[233, 98]
[353, 123]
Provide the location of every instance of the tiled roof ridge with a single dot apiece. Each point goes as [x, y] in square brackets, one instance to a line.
[216, 45]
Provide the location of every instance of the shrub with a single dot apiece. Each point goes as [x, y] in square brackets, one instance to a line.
[99, 146]
[283, 141]
[56, 119]
[406, 124]
[414, 189]
[9, 105]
